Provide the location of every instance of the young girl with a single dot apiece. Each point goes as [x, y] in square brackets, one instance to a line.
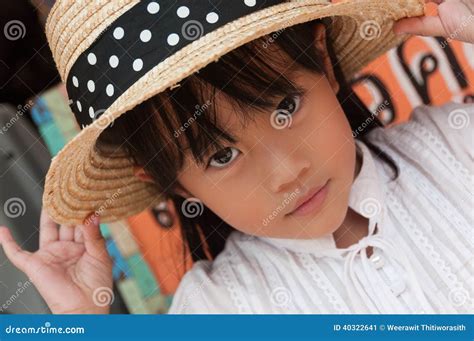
[292, 196]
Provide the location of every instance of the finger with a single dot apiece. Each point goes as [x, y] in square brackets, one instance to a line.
[423, 26]
[94, 242]
[48, 229]
[78, 234]
[20, 258]
[66, 232]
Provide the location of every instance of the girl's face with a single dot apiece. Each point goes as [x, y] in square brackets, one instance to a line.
[255, 184]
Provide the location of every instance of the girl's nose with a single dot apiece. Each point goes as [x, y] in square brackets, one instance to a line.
[289, 173]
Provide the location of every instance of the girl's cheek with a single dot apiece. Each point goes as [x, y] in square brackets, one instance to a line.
[244, 215]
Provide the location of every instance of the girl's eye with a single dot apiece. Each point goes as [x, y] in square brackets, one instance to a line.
[223, 157]
[290, 104]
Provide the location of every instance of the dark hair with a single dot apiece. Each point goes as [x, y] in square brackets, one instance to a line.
[154, 139]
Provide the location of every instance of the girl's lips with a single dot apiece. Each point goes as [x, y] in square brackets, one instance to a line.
[313, 203]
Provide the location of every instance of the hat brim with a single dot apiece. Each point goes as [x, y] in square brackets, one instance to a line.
[83, 180]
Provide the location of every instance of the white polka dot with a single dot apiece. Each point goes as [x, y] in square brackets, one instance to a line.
[91, 86]
[119, 33]
[182, 12]
[113, 61]
[91, 58]
[137, 64]
[173, 39]
[75, 81]
[153, 7]
[91, 112]
[79, 106]
[109, 90]
[250, 3]
[212, 17]
[145, 36]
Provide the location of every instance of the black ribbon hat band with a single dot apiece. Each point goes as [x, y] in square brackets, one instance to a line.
[139, 40]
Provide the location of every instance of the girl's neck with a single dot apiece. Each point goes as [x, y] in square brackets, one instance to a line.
[355, 226]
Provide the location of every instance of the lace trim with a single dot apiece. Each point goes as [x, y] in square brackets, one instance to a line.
[425, 139]
[442, 203]
[425, 135]
[236, 295]
[456, 288]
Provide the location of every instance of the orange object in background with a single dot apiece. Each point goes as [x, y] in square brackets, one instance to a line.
[162, 248]
[423, 70]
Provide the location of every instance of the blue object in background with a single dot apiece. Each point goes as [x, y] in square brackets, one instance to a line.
[120, 265]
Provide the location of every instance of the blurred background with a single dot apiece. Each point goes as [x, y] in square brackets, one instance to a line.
[149, 260]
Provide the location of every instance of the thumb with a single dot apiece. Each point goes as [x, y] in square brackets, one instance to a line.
[423, 26]
[20, 258]
[94, 242]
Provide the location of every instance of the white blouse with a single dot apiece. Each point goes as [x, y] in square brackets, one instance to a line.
[423, 248]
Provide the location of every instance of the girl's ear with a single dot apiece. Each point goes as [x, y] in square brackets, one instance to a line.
[320, 44]
[140, 173]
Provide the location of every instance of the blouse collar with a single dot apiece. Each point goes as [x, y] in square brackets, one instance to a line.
[366, 198]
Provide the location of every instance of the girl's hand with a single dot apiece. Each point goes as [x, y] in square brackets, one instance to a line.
[455, 20]
[71, 270]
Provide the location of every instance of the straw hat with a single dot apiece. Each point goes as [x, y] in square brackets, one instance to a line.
[113, 55]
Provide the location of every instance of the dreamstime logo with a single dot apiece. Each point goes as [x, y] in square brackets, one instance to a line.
[108, 202]
[14, 30]
[370, 207]
[453, 35]
[14, 207]
[195, 291]
[380, 108]
[458, 296]
[192, 30]
[272, 37]
[104, 121]
[370, 30]
[103, 296]
[192, 207]
[281, 297]
[458, 119]
[200, 109]
[21, 288]
[19, 113]
[281, 119]
[288, 198]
